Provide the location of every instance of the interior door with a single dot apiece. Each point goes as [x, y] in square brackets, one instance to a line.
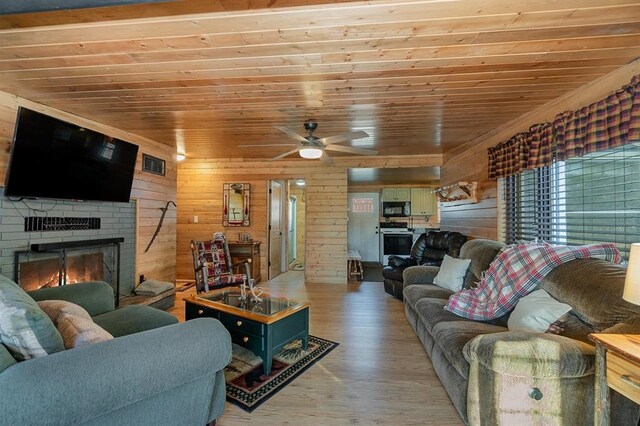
[364, 220]
[276, 220]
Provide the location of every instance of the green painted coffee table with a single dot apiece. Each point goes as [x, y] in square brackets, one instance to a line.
[263, 327]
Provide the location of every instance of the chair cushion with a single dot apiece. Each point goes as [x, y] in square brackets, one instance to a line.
[133, 319]
[418, 247]
[153, 287]
[25, 330]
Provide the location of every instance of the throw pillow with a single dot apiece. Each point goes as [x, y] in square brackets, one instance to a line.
[536, 312]
[55, 308]
[25, 330]
[452, 272]
[74, 323]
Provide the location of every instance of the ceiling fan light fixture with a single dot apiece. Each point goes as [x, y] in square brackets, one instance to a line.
[310, 152]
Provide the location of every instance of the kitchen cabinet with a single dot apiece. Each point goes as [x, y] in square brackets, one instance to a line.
[423, 202]
[396, 194]
[249, 250]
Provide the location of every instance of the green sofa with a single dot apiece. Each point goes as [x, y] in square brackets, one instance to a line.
[499, 377]
[155, 371]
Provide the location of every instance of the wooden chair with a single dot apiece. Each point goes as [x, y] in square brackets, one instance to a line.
[212, 264]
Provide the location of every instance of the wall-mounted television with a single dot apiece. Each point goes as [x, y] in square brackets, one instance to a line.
[51, 158]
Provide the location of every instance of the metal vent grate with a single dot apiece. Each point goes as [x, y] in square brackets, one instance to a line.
[60, 223]
[152, 164]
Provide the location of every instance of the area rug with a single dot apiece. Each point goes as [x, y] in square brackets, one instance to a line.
[248, 388]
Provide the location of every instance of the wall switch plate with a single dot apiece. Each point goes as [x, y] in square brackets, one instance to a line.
[195, 219]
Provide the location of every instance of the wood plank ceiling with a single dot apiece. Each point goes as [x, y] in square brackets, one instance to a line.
[420, 77]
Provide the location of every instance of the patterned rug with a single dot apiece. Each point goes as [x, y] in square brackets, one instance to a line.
[248, 388]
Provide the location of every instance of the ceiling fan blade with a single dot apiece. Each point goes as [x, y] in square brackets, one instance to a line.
[350, 150]
[344, 137]
[285, 154]
[326, 159]
[291, 134]
[267, 144]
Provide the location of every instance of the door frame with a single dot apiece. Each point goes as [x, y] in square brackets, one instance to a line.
[283, 226]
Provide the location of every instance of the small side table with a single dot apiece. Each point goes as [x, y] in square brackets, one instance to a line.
[618, 368]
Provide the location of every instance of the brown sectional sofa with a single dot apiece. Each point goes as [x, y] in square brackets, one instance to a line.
[494, 376]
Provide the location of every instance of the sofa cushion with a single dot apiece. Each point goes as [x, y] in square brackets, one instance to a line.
[431, 312]
[25, 330]
[593, 288]
[481, 252]
[6, 359]
[118, 322]
[452, 336]
[414, 293]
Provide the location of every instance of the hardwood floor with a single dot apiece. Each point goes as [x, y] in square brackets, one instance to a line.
[380, 373]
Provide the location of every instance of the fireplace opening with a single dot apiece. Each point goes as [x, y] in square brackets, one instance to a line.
[69, 262]
[42, 273]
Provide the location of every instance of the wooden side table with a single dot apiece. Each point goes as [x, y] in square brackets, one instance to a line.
[248, 250]
[618, 368]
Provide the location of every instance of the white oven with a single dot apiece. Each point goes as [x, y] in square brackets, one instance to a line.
[395, 242]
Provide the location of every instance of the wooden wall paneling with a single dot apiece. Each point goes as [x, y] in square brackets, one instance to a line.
[470, 162]
[200, 191]
[150, 191]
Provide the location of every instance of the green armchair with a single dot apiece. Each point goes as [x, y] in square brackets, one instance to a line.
[155, 371]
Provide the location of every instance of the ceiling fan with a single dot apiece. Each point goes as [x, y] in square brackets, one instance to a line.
[313, 147]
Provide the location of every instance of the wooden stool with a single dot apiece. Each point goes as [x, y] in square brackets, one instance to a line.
[354, 264]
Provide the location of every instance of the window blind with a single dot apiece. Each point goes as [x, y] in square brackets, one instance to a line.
[590, 199]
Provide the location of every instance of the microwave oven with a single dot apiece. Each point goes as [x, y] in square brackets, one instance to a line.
[396, 208]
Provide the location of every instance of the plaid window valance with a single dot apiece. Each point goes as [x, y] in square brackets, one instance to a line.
[608, 123]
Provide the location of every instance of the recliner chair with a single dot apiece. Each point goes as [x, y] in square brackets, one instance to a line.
[429, 250]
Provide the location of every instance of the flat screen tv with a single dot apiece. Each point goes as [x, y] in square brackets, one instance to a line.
[51, 158]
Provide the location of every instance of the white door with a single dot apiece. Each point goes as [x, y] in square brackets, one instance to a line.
[276, 219]
[363, 225]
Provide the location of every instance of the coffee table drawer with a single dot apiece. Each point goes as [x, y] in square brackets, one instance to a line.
[195, 311]
[240, 325]
[250, 341]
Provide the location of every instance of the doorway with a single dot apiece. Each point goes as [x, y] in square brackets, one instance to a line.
[277, 244]
[296, 234]
[363, 224]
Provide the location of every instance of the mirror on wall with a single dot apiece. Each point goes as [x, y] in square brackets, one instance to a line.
[235, 204]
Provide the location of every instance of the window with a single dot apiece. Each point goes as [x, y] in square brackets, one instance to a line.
[583, 200]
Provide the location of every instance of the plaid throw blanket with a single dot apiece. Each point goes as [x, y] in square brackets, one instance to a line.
[517, 271]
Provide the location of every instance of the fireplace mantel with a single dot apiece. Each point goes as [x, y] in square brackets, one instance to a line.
[62, 245]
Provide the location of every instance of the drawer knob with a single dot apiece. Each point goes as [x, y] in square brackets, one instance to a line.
[535, 393]
[200, 311]
[245, 339]
[239, 323]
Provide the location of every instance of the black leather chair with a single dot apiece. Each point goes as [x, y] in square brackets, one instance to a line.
[429, 250]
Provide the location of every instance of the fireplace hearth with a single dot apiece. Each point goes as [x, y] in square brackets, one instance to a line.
[69, 262]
